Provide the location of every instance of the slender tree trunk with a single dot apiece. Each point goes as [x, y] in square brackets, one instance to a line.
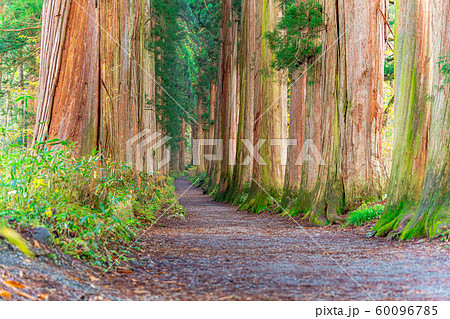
[419, 188]
[270, 116]
[216, 165]
[182, 150]
[243, 171]
[148, 86]
[211, 121]
[293, 172]
[199, 126]
[226, 94]
[352, 115]
[313, 137]
[297, 107]
[235, 97]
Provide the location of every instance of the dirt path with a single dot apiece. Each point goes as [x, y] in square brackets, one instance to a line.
[219, 253]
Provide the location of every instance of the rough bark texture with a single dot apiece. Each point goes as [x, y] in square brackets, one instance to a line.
[243, 170]
[297, 107]
[294, 163]
[214, 173]
[413, 83]
[54, 28]
[95, 80]
[199, 133]
[182, 148]
[313, 134]
[419, 203]
[227, 95]
[212, 122]
[270, 117]
[352, 114]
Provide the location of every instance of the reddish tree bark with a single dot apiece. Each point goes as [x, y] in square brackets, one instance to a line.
[94, 94]
[419, 190]
[352, 110]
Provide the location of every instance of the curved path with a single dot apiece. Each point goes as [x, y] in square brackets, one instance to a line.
[219, 253]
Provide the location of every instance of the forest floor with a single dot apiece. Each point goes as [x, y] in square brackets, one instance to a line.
[220, 253]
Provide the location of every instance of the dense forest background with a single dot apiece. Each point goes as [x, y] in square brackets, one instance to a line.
[364, 85]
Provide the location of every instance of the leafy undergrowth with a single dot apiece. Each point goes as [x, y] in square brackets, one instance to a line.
[197, 179]
[92, 207]
[364, 214]
[202, 181]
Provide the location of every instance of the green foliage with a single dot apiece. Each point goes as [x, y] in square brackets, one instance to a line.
[177, 174]
[244, 195]
[297, 36]
[204, 23]
[444, 64]
[173, 66]
[20, 22]
[195, 178]
[19, 18]
[19, 60]
[92, 206]
[389, 69]
[364, 214]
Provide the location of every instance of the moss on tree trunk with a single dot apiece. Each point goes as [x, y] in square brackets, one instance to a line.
[352, 70]
[419, 193]
[270, 115]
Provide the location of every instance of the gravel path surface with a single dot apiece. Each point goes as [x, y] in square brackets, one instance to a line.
[219, 253]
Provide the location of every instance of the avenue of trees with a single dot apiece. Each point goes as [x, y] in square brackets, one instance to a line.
[262, 70]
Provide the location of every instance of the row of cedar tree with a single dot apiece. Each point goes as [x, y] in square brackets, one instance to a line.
[94, 91]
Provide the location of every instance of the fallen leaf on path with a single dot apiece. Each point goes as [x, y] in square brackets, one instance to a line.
[226, 297]
[140, 291]
[43, 296]
[14, 284]
[25, 295]
[4, 293]
[76, 279]
[124, 271]
[92, 278]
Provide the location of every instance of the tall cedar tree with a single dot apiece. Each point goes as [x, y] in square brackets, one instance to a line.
[94, 94]
[419, 191]
[352, 87]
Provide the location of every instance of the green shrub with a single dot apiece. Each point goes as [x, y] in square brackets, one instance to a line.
[178, 174]
[89, 204]
[296, 38]
[364, 214]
